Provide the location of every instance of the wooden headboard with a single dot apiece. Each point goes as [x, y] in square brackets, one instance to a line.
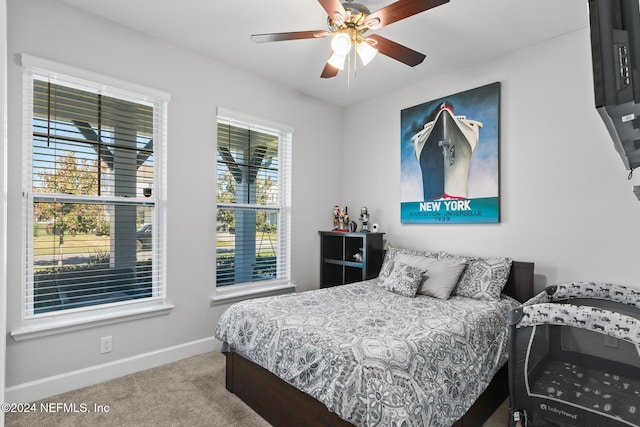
[520, 282]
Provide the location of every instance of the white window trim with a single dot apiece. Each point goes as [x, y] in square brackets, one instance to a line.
[250, 290]
[258, 121]
[234, 293]
[100, 81]
[74, 322]
[92, 316]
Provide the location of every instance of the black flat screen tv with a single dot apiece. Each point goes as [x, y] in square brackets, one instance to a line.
[615, 53]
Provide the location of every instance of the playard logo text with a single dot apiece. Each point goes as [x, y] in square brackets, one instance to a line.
[546, 407]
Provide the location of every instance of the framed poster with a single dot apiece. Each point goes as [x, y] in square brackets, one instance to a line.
[450, 159]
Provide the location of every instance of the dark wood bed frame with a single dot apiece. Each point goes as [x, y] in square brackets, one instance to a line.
[281, 404]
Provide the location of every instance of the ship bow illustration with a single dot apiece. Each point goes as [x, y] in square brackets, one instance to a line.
[443, 149]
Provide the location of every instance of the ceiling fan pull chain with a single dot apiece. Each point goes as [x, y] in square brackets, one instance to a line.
[355, 60]
[349, 71]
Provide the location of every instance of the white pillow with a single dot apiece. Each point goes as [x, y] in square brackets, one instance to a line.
[441, 275]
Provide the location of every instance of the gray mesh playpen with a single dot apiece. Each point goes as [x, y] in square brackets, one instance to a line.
[575, 357]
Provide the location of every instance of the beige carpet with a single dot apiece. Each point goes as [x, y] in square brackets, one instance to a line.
[189, 392]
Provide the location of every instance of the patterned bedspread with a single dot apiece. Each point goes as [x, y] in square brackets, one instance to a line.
[374, 357]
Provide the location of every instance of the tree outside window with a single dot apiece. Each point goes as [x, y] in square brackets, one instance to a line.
[92, 181]
[252, 214]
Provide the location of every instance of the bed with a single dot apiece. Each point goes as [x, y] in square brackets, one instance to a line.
[575, 357]
[355, 355]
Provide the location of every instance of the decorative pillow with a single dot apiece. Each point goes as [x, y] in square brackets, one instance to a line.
[392, 254]
[387, 263]
[441, 275]
[484, 278]
[404, 279]
[447, 255]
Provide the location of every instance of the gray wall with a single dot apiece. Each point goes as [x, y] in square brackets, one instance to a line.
[197, 86]
[566, 201]
[3, 216]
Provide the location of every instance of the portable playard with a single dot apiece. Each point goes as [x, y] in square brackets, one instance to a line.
[575, 357]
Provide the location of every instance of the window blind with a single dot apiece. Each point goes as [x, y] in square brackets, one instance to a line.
[94, 189]
[253, 200]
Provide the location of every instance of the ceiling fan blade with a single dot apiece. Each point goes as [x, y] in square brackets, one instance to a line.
[396, 51]
[399, 10]
[296, 35]
[329, 70]
[335, 10]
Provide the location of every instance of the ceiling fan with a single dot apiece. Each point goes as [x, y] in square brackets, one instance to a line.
[348, 22]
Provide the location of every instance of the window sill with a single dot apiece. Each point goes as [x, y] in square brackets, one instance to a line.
[62, 326]
[241, 293]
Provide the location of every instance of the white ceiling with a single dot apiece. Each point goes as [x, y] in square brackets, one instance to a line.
[455, 35]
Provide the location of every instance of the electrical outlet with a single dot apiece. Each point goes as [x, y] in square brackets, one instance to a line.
[106, 345]
[610, 342]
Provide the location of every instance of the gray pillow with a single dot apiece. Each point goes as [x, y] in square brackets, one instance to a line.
[484, 278]
[403, 280]
[441, 275]
[392, 254]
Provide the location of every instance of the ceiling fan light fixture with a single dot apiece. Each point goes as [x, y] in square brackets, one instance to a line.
[337, 60]
[347, 23]
[341, 44]
[366, 52]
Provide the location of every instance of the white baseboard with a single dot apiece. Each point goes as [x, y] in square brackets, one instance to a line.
[51, 386]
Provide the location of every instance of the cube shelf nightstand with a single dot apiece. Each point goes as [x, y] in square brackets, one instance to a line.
[338, 266]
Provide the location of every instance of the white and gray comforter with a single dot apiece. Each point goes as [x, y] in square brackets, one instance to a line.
[374, 357]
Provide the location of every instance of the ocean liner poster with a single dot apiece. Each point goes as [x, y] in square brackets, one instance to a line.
[450, 159]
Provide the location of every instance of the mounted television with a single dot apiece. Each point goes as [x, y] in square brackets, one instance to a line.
[615, 52]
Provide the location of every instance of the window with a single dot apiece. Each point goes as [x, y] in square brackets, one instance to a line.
[253, 201]
[94, 191]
